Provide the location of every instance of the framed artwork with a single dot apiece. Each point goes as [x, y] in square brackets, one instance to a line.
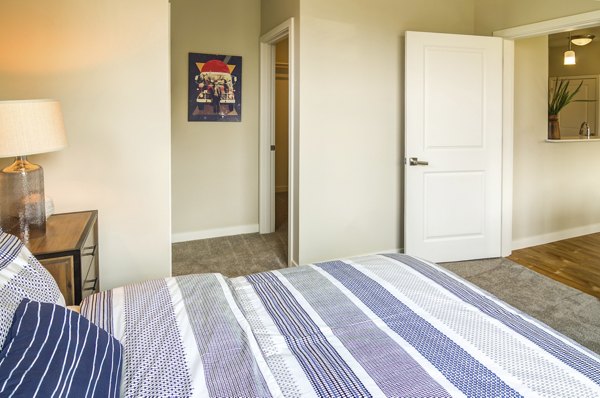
[214, 88]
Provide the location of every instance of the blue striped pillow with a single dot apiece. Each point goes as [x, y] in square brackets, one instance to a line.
[53, 351]
[21, 276]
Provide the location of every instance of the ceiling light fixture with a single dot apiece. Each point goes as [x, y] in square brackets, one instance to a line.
[582, 40]
[569, 58]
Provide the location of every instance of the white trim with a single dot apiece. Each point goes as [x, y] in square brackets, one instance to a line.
[551, 26]
[508, 96]
[575, 139]
[266, 123]
[214, 233]
[266, 210]
[555, 236]
[355, 256]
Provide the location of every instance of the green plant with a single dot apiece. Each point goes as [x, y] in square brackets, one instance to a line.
[560, 96]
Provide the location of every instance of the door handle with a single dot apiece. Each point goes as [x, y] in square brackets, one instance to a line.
[417, 162]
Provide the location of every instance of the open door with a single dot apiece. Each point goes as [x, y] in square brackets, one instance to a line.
[453, 147]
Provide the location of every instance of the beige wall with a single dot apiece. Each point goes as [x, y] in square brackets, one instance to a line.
[215, 164]
[274, 12]
[554, 183]
[349, 148]
[351, 119]
[588, 60]
[107, 62]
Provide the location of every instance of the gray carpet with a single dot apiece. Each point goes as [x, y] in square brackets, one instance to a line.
[239, 254]
[571, 312]
[568, 310]
[231, 255]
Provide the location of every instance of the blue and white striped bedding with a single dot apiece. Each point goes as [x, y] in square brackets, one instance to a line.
[388, 325]
[51, 351]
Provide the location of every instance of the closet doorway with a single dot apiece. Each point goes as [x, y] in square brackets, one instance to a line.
[281, 142]
[278, 168]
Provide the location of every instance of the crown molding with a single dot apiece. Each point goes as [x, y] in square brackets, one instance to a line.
[551, 26]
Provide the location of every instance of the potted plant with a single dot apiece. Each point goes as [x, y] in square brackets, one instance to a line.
[557, 100]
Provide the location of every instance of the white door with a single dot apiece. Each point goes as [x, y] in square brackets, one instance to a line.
[453, 133]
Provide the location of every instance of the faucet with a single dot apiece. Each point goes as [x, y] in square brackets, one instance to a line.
[585, 130]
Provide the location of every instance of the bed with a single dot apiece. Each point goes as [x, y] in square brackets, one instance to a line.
[384, 325]
[388, 325]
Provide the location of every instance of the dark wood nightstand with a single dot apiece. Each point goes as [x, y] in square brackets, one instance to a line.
[69, 251]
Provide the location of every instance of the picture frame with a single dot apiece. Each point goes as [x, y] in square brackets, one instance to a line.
[214, 88]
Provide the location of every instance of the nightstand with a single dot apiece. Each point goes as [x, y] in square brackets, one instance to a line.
[69, 251]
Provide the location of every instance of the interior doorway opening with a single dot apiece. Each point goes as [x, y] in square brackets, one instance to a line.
[281, 142]
[268, 145]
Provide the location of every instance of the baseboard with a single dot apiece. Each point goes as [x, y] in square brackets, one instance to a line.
[396, 250]
[293, 264]
[214, 233]
[554, 236]
[350, 256]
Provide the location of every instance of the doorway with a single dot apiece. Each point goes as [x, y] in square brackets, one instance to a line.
[274, 68]
[536, 219]
[281, 143]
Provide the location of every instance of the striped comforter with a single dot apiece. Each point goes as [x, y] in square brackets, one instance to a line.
[388, 325]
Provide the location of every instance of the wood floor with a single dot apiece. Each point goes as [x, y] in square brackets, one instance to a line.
[574, 262]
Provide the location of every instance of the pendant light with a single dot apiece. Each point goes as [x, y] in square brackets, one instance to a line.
[582, 40]
[569, 58]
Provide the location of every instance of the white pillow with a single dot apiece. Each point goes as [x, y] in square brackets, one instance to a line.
[21, 276]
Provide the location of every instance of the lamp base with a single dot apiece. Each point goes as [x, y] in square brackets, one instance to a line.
[22, 204]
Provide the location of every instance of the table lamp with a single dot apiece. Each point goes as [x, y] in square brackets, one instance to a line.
[27, 127]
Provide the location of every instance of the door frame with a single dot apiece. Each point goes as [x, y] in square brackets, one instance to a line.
[266, 196]
[543, 28]
[508, 99]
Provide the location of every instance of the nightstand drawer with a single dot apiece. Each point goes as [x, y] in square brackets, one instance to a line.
[69, 250]
[62, 270]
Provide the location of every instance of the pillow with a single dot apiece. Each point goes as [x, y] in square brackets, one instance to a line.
[53, 351]
[21, 276]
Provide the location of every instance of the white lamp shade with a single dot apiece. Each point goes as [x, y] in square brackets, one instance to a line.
[31, 126]
[569, 57]
[581, 41]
